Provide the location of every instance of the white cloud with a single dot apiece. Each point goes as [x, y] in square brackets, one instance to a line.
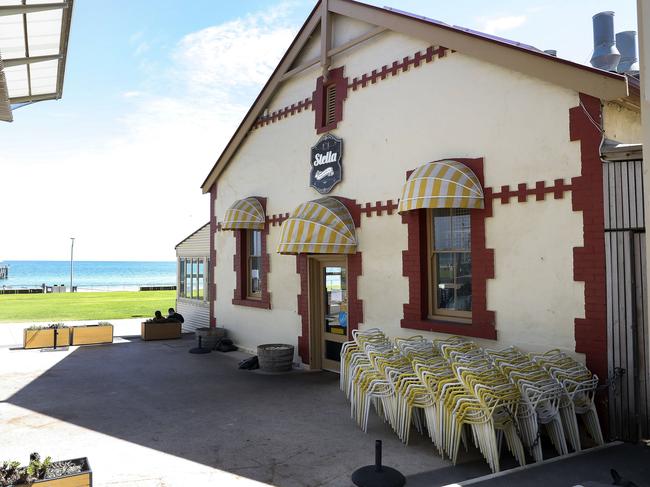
[135, 195]
[497, 25]
[132, 94]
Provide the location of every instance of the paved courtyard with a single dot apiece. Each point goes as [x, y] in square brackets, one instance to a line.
[151, 414]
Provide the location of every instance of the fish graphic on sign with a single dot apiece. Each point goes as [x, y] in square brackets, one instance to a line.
[326, 163]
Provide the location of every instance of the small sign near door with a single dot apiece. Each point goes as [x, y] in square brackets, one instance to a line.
[326, 164]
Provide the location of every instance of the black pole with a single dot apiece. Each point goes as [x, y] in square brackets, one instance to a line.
[378, 456]
[56, 335]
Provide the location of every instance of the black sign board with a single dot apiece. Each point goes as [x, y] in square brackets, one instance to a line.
[326, 164]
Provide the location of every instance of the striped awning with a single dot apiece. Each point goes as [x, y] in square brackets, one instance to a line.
[441, 184]
[322, 226]
[246, 214]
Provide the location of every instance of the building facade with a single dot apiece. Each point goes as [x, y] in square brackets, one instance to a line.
[403, 174]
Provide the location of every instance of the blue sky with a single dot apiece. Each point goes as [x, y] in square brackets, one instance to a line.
[153, 91]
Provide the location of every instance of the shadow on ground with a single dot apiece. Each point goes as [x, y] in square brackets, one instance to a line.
[292, 429]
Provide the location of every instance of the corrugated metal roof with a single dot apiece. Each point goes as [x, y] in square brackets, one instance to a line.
[33, 43]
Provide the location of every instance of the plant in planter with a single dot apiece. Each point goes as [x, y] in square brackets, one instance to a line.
[45, 473]
[53, 335]
[102, 332]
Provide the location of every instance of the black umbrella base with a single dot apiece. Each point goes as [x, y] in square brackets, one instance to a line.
[200, 350]
[369, 476]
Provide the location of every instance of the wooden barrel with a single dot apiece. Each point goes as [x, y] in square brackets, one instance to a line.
[209, 336]
[275, 357]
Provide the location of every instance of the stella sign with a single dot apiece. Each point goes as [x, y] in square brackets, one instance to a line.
[326, 164]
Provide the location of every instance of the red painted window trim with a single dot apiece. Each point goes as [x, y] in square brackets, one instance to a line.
[240, 297]
[334, 77]
[355, 305]
[415, 268]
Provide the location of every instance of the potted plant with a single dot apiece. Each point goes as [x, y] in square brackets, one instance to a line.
[46, 473]
[102, 332]
[160, 329]
[54, 335]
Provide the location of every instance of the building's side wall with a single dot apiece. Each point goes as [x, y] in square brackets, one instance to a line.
[196, 313]
[196, 245]
[622, 124]
[455, 106]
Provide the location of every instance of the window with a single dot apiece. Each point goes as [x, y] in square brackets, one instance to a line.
[192, 278]
[450, 269]
[254, 263]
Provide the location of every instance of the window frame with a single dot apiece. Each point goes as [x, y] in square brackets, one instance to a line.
[194, 285]
[414, 267]
[433, 311]
[248, 271]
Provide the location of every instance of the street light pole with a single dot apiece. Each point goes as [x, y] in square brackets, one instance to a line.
[71, 260]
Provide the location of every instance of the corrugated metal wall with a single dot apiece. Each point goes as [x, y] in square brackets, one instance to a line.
[197, 245]
[196, 313]
[627, 332]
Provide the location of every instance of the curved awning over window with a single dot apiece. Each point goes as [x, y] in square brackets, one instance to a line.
[246, 214]
[441, 184]
[322, 226]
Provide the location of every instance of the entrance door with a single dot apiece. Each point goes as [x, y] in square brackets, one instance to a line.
[329, 323]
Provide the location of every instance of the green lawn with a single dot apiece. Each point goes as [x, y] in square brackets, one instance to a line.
[84, 306]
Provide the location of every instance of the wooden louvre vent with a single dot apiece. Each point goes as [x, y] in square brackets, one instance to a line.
[330, 104]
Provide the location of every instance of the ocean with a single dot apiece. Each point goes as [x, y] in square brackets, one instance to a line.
[89, 275]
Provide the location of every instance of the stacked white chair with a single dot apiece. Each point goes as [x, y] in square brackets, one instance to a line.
[580, 386]
[455, 392]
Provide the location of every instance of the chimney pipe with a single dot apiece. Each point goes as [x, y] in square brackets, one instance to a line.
[626, 44]
[551, 52]
[606, 56]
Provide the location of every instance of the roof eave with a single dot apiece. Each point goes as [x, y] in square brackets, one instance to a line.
[305, 31]
[584, 79]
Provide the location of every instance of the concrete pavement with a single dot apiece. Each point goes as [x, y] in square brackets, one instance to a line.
[151, 414]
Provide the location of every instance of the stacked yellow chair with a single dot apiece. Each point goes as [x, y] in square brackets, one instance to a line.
[452, 388]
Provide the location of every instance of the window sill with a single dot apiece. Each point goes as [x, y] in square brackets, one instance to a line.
[252, 303]
[465, 328]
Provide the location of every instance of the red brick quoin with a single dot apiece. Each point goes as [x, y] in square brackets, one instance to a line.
[212, 284]
[355, 305]
[239, 266]
[414, 266]
[589, 261]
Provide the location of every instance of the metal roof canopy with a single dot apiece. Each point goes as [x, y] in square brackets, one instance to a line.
[33, 47]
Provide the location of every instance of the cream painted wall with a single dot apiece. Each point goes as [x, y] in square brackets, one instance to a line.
[454, 107]
[533, 293]
[622, 124]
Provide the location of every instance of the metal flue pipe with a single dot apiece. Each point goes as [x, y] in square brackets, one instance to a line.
[606, 55]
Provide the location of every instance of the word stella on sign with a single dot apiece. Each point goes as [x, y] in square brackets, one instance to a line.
[326, 164]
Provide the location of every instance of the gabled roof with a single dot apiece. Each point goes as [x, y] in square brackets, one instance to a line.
[33, 48]
[191, 235]
[512, 55]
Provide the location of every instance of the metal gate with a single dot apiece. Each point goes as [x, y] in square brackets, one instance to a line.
[627, 327]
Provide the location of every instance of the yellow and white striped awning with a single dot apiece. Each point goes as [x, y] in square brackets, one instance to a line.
[246, 214]
[441, 184]
[322, 226]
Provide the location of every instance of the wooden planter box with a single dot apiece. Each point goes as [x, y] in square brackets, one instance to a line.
[92, 334]
[160, 331]
[44, 338]
[81, 479]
